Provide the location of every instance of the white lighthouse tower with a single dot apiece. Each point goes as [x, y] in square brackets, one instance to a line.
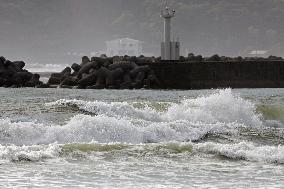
[170, 50]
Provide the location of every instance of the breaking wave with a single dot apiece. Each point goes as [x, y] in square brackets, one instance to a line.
[104, 129]
[244, 150]
[220, 107]
[29, 153]
[149, 126]
[190, 120]
[239, 151]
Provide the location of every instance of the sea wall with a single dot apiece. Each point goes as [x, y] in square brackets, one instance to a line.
[219, 74]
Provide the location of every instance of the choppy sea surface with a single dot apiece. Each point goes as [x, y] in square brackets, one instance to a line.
[61, 138]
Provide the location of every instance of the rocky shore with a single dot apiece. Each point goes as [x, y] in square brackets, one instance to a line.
[106, 73]
[13, 75]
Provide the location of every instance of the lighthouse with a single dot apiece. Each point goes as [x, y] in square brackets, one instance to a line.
[170, 49]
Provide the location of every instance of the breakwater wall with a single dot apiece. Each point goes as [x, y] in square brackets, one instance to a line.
[219, 74]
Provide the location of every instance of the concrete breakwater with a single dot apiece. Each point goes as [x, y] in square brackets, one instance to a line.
[152, 73]
[220, 74]
[13, 74]
[104, 73]
[136, 73]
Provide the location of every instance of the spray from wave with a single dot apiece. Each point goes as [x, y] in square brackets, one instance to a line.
[104, 129]
[190, 120]
[141, 123]
[220, 107]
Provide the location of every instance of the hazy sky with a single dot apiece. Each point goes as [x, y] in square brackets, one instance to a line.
[48, 31]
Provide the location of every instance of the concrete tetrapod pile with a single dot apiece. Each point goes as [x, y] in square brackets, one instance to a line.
[104, 73]
[13, 74]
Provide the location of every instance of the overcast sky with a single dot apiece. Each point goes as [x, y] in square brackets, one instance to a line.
[48, 31]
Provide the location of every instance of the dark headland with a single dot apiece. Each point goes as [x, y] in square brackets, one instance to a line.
[192, 72]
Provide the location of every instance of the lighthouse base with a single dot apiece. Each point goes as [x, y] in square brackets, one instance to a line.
[172, 53]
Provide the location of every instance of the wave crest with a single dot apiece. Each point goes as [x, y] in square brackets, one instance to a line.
[221, 107]
[29, 153]
[244, 150]
[189, 120]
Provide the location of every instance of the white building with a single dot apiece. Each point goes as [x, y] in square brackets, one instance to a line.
[259, 53]
[124, 46]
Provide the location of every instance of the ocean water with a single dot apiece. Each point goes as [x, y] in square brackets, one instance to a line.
[61, 138]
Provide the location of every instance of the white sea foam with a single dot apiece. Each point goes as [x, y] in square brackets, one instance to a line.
[190, 120]
[80, 128]
[221, 107]
[104, 129]
[29, 153]
[112, 109]
[244, 150]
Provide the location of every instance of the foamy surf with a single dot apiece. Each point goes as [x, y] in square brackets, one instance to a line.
[29, 153]
[104, 129]
[222, 112]
[184, 138]
[246, 151]
[221, 107]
